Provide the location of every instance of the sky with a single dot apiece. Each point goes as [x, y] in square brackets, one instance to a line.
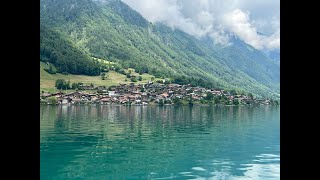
[218, 19]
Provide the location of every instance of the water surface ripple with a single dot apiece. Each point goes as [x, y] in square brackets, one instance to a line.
[115, 142]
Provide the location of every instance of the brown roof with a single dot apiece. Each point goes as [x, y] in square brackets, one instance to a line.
[105, 99]
[165, 94]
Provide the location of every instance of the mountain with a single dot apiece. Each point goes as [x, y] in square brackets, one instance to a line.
[111, 30]
[59, 50]
[274, 55]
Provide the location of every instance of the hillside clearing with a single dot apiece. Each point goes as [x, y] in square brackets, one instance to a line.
[47, 81]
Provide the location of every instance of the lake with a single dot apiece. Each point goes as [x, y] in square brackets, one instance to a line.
[151, 142]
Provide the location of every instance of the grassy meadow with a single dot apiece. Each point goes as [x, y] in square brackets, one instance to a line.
[47, 81]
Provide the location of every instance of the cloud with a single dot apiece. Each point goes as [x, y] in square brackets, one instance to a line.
[218, 19]
[273, 42]
[238, 23]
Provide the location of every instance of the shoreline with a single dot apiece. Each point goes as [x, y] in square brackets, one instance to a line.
[153, 105]
[156, 94]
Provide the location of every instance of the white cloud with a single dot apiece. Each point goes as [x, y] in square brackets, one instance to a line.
[219, 36]
[204, 18]
[218, 19]
[238, 23]
[273, 41]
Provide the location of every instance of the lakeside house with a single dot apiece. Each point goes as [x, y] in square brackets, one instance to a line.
[142, 94]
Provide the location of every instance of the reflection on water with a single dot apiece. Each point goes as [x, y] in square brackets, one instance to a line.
[117, 142]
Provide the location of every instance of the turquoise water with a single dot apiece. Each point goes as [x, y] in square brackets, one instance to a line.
[89, 142]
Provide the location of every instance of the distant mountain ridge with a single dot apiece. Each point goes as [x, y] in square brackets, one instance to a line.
[112, 30]
[274, 55]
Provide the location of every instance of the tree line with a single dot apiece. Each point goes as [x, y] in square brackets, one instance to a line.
[58, 50]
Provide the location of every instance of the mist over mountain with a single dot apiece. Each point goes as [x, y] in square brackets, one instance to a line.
[219, 20]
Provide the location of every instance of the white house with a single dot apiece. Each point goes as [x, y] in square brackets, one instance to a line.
[65, 101]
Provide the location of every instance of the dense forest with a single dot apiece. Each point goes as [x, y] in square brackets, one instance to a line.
[60, 51]
[73, 31]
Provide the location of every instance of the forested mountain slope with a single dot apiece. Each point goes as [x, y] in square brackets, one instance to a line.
[113, 31]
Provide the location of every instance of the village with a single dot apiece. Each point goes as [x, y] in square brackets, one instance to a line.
[150, 94]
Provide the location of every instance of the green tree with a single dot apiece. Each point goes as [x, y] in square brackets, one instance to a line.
[52, 100]
[60, 84]
[167, 82]
[159, 81]
[233, 92]
[140, 78]
[117, 68]
[177, 101]
[133, 79]
[236, 101]
[161, 102]
[67, 85]
[74, 85]
[122, 71]
[217, 99]
[103, 75]
[190, 101]
[51, 70]
[209, 96]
